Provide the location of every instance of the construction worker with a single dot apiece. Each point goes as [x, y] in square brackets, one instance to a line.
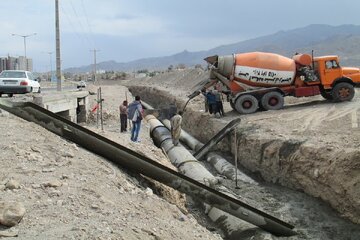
[135, 114]
[219, 104]
[203, 91]
[123, 116]
[211, 100]
[175, 122]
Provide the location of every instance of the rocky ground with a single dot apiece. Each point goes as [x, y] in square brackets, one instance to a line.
[70, 193]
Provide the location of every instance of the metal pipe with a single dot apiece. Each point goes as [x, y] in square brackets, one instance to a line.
[214, 140]
[227, 169]
[141, 164]
[236, 163]
[181, 158]
[185, 137]
[220, 164]
[176, 157]
[146, 105]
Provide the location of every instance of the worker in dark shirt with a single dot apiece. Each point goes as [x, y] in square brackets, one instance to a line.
[123, 116]
[219, 104]
[211, 99]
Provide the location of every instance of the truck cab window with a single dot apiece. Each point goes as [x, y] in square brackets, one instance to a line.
[335, 64]
[331, 64]
[328, 64]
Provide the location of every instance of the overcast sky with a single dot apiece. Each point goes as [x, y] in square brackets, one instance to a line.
[125, 30]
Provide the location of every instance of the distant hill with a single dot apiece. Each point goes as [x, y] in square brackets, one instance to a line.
[341, 40]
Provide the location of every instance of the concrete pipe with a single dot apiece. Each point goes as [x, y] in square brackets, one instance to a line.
[189, 140]
[178, 155]
[220, 164]
[188, 165]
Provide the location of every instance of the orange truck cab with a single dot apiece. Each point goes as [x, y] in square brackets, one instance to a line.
[336, 83]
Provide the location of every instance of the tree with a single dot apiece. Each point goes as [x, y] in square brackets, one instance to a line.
[181, 66]
[143, 71]
[198, 66]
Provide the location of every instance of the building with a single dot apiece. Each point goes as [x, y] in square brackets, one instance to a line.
[29, 64]
[13, 63]
[3, 63]
[21, 63]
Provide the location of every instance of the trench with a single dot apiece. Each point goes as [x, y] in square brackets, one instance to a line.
[286, 188]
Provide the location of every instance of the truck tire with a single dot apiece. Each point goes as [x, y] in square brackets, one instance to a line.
[272, 101]
[326, 95]
[246, 104]
[343, 92]
[232, 104]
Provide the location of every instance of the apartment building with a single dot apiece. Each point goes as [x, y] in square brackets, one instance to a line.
[16, 63]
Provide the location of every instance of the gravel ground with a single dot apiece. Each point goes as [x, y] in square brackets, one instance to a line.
[70, 193]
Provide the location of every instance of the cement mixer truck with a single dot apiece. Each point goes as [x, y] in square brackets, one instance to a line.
[261, 80]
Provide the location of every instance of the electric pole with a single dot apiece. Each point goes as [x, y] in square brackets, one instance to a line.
[58, 59]
[95, 50]
[50, 55]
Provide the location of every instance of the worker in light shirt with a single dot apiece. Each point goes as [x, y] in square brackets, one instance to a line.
[176, 122]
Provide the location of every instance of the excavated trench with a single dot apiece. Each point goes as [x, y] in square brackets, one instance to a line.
[284, 169]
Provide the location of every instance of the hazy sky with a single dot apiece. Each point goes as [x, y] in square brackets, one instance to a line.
[125, 30]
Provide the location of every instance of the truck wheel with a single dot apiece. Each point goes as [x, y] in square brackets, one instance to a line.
[326, 95]
[343, 92]
[232, 104]
[272, 101]
[246, 104]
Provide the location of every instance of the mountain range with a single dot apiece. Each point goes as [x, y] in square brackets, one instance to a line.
[343, 40]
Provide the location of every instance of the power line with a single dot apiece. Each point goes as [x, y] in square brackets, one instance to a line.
[80, 23]
[87, 21]
[71, 24]
[77, 28]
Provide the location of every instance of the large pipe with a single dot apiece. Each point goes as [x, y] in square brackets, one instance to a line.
[232, 226]
[258, 218]
[227, 169]
[141, 164]
[220, 164]
[217, 138]
[179, 157]
[185, 137]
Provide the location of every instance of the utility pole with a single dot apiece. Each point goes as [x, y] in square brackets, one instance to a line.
[58, 59]
[50, 54]
[24, 36]
[94, 50]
